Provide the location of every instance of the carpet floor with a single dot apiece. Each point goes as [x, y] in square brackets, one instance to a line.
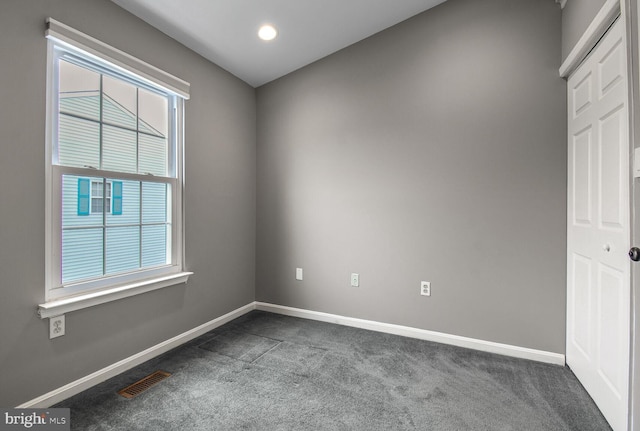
[267, 372]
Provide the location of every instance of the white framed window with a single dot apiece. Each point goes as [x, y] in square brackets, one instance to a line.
[114, 172]
[101, 197]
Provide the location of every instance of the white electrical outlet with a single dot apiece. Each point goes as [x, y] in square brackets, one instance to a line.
[56, 326]
[355, 280]
[298, 273]
[425, 288]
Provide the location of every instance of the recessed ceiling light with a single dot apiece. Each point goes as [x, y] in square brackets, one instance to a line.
[267, 32]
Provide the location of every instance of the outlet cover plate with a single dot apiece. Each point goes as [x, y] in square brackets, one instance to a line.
[56, 326]
[355, 280]
[298, 273]
[425, 288]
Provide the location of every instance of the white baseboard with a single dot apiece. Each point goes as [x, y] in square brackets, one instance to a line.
[422, 334]
[73, 388]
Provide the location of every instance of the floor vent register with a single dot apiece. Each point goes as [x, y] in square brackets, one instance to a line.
[143, 384]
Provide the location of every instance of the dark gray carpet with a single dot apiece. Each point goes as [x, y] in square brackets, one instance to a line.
[270, 372]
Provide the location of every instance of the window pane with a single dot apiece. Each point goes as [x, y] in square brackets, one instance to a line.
[130, 204]
[118, 102]
[123, 249]
[78, 142]
[154, 245]
[119, 149]
[154, 203]
[76, 195]
[96, 189]
[153, 112]
[153, 155]
[79, 91]
[81, 254]
[97, 203]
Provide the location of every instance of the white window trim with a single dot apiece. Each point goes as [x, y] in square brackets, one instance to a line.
[77, 40]
[78, 302]
[60, 301]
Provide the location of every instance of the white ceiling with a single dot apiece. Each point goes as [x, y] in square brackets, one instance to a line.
[225, 31]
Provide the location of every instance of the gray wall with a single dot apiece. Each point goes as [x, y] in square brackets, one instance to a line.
[220, 197]
[576, 17]
[435, 150]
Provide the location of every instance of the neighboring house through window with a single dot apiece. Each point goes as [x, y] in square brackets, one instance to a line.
[115, 168]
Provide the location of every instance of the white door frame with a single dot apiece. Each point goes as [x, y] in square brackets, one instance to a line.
[629, 10]
[631, 13]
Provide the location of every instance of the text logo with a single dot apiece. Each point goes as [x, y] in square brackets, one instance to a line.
[35, 419]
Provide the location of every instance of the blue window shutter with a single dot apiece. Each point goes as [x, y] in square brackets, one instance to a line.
[84, 198]
[116, 197]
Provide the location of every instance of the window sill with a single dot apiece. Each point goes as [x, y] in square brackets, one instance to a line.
[78, 302]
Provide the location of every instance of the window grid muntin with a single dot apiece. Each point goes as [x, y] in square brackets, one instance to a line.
[107, 123]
